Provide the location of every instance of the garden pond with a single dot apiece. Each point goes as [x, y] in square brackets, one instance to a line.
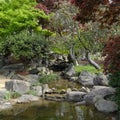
[51, 110]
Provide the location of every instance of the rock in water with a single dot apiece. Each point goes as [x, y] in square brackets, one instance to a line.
[102, 91]
[106, 106]
[27, 99]
[75, 96]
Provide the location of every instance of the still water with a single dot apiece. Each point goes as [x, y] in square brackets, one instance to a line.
[50, 110]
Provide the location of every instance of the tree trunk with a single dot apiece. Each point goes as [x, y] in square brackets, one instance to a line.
[72, 57]
[92, 62]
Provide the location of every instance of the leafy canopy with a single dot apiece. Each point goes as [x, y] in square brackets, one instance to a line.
[24, 45]
[107, 12]
[17, 15]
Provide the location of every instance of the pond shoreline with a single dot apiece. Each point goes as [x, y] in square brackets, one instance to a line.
[84, 89]
[45, 106]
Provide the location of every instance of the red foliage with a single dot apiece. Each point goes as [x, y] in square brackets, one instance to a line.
[112, 55]
[42, 7]
[90, 10]
[48, 5]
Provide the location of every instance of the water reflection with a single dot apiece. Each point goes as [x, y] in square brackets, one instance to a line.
[79, 113]
[47, 110]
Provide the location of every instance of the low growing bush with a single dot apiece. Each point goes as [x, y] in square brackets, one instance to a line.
[24, 45]
[9, 95]
[32, 92]
[48, 78]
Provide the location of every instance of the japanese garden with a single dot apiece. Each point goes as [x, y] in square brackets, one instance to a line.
[59, 59]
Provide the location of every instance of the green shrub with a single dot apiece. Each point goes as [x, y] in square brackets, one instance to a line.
[117, 97]
[48, 78]
[32, 92]
[15, 94]
[36, 84]
[9, 95]
[18, 15]
[114, 79]
[24, 45]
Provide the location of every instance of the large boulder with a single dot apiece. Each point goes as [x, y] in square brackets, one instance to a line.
[100, 79]
[74, 78]
[85, 78]
[27, 99]
[33, 71]
[75, 96]
[102, 91]
[44, 71]
[17, 86]
[10, 70]
[46, 89]
[84, 89]
[14, 67]
[69, 72]
[105, 105]
[5, 106]
[7, 73]
[32, 78]
[38, 90]
[89, 98]
[13, 75]
[29, 78]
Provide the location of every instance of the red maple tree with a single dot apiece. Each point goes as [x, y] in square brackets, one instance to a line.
[104, 11]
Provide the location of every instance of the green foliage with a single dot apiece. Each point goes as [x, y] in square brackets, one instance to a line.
[24, 44]
[15, 94]
[9, 95]
[36, 84]
[114, 79]
[19, 20]
[117, 97]
[32, 92]
[92, 38]
[88, 68]
[17, 15]
[48, 78]
[59, 46]
[44, 32]
[65, 27]
[72, 35]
